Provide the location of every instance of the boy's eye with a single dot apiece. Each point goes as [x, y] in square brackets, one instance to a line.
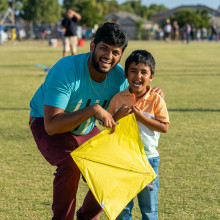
[133, 71]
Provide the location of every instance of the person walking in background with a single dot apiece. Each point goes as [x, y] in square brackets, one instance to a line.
[69, 27]
[186, 33]
[198, 34]
[1, 32]
[193, 32]
[13, 34]
[59, 32]
[214, 31]
[167, 31]
[204, 33]
[175, 31]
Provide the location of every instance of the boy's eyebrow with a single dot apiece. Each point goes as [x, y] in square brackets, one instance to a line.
[133, 68]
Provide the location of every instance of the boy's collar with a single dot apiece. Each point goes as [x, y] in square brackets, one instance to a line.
[128, 93]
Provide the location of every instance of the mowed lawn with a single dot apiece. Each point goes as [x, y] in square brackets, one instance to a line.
[189, 168]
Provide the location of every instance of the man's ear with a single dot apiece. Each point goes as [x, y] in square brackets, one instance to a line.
[92, 46]
[151, 77]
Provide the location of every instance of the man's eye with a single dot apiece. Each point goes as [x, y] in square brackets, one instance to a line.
[116, 53]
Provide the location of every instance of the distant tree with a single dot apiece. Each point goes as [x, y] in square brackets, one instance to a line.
[141, 10]
[198, 18]
[113, 6]
[131, 6]
[42, 11]
[139, 25]
[3, 6]
[154, 9]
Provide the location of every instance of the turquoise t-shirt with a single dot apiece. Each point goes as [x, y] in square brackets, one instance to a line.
[68, 86]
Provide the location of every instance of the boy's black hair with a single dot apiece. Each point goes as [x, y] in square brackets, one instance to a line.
[140, 56]
[112, 34]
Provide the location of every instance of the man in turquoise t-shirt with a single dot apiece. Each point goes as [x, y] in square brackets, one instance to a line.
[76, 92]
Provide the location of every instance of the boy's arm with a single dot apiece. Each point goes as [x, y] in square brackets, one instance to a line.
[122, 112]
[152, 124]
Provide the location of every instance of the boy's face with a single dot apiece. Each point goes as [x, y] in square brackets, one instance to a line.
[138, 77]
[105, 56]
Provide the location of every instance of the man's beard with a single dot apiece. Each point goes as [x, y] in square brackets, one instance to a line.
[96, 65]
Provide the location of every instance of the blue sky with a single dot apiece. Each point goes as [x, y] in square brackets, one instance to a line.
[214, 4]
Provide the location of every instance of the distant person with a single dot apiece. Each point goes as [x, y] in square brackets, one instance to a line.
[69, 27]
[204, 33]
[167, 31]
[152, 33]
[84, 31]
[152, 118]
[59, 31]
[193, 32]
[13, 34]
[1, 32]
[186, 33]
[198, 34]
[214, 31]
[175, 31]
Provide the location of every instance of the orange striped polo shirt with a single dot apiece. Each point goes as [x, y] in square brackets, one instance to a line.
[153, 106]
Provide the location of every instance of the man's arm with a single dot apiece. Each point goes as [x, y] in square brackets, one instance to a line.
[57, 121]
[77, 15]
[159, 91]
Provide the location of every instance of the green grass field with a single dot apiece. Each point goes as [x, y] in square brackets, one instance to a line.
[189, 168]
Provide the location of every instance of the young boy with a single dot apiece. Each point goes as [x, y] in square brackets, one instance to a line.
[152, 118]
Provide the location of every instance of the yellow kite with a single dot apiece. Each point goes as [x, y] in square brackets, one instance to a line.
[115, 166]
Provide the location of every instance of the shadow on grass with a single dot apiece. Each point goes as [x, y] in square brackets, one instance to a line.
[14, 66]
[168, 73]
[170, 110]
[14, 109]
[194, 110]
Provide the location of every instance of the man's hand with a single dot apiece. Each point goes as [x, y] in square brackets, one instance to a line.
[105, 117]
[159, 91]
[122, 112]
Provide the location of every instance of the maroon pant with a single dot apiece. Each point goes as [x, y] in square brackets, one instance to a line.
[56, 150]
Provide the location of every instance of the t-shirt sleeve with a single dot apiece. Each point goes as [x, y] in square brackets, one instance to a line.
[161, 112]
[58, 88]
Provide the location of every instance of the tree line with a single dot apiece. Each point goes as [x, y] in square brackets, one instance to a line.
[94, 11]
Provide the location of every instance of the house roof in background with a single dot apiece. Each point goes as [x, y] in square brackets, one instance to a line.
[126, 18]
[193, 7]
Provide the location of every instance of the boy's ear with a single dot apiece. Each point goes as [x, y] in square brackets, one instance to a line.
[92, 46]
[126, 75]
[151, 77]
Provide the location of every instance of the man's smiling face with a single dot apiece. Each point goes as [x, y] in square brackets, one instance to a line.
[105, 57]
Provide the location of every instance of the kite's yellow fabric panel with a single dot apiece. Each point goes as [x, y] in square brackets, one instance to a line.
[115, 166]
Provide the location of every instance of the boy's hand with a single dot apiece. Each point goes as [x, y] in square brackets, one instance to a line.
[122, 112]
[137, 111]
[159, 91]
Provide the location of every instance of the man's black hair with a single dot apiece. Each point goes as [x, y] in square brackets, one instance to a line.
[140, 56]
[112, 34]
